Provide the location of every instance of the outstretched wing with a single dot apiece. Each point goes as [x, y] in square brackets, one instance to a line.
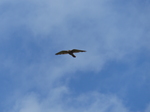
[77, 50]
[62, 52]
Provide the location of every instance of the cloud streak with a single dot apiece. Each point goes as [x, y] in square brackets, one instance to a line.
[84, 103]
[33, 31]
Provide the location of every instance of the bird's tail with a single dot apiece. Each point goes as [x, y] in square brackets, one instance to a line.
[73, 55]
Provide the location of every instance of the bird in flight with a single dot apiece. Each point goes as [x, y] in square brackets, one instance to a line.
[70, 52]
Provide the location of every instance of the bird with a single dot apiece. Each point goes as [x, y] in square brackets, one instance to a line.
[70, 52]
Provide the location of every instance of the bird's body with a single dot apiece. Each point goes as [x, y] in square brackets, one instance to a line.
[70, 52]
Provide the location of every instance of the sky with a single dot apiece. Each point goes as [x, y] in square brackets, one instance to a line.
[112, 76]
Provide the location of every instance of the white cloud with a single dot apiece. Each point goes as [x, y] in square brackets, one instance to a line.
[148, 108]
[107, 35]
[95, 26]
[58, 102]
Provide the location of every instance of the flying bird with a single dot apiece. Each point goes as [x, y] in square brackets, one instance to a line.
[70, 52]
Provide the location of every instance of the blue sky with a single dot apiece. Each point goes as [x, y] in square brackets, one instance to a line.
[112, 76]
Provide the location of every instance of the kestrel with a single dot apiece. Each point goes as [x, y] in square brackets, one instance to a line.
[70, 52]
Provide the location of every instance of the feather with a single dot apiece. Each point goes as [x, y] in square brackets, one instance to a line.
[76, 51]
[62, 52]
[70, 52]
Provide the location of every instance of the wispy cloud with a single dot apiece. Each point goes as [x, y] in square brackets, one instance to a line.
[32, 31]
[88, 102]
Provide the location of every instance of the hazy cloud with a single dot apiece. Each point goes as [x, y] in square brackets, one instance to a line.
[32, 31]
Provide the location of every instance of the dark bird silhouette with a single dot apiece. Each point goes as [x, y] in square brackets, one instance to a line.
[70, 52]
